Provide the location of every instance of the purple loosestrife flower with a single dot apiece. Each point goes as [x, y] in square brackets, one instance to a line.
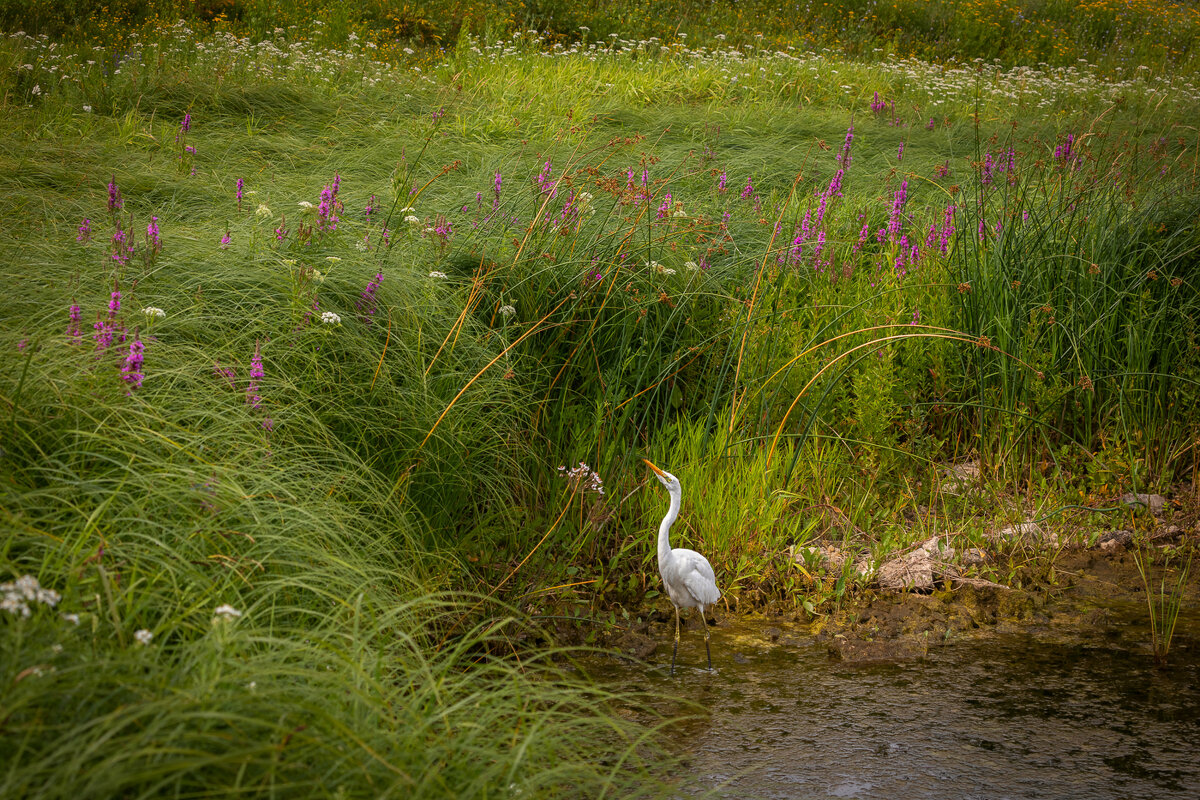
[900, 153]
[281, 232]
[329, 207]
[229, 374]
[73, 329]
[105, 328]
[748, 190]
[929, 125]
[153, 241]
[122, 246]
[241, 185]
[844, 156]
[256, 376]
[899, 199]
[496, 191]
[367, 303]
[226, 240]
[369, 211]
[721, 183]
[85, 231]
[131, 372]
[988, 166]
[665, 208]
[115, 201]
[184, 126]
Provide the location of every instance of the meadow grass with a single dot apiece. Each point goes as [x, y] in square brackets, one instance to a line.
[419, 322]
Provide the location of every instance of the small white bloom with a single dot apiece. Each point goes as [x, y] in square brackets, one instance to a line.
[36, 90]
[252, 685]
[318, 276]
[227, 611]
[143, 636]
[332, 259]
[507, 311]
[71, 618]
[436, 274]
[87, 109]
[407, 210]
[305, 205]
[412, 220]
[330, 318]
[668, 271]
[654, 265]
[361, 245]
[263, 210]
[153, 311]
[691, 266]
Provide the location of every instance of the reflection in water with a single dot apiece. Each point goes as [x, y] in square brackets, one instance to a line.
[1004, 717]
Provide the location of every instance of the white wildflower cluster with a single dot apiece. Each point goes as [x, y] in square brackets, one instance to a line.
[412, 220]
[330, 318]
[24, 592]
[507, 311]
[263, 210]
[436, 274]
[225, 612]
[691, 266]
[154, 311]
[585, 477]
[143, 636]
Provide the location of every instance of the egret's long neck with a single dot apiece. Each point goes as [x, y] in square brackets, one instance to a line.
[664, 529]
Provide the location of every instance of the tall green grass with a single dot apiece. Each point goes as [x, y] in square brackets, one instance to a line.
[525, 297]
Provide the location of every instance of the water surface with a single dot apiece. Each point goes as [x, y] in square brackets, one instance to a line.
[1016, 715]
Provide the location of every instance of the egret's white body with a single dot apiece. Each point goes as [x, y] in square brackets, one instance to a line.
[687, 575]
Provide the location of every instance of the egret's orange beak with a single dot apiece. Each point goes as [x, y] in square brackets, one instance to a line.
[657, 471]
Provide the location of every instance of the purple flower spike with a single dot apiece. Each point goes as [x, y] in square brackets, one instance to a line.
[115, 201]
[73, 330]
[241, 185]
[367, 304]
[131, 372]
[85, 231]
[256, 375]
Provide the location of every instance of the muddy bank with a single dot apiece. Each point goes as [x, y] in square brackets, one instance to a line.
[1067, 595]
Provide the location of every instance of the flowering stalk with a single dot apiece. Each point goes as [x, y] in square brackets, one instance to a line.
[241, 185]
[368, 304]
[131, 372]
[256, 375]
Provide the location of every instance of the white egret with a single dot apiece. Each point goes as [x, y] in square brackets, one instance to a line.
[687, 575]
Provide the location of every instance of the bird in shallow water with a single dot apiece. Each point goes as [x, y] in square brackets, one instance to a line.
[686, 574]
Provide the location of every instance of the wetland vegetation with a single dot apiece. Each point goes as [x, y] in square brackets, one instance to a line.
[332, 343]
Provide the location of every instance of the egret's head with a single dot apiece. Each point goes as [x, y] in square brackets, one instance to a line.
[668, 480]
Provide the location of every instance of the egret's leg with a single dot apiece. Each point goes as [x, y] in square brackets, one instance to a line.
[676, 650]
[706, 650]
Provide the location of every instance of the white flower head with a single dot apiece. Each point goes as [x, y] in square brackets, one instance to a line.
[71, 618]
[330, 318]
[226, 611]
[667, 271]
[436, 274]
[36, 90]
[507, 311]
[318, 276]
[263, 210]
[654, 265]
[691, 266]
[143, 636]
[87, 109]
[305, 205]
[412, 220]
[154, 311]
[332, 259]
[361, 245]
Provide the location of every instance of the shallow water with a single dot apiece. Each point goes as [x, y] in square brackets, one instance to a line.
[1016, 715]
